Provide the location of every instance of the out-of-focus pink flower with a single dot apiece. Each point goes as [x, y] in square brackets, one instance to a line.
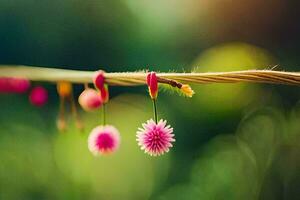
[152, 85]
[38, 96]
[14, 85]
[90, 99]
[104, 140]
[4, 85]
[155, 139]
[19, 85]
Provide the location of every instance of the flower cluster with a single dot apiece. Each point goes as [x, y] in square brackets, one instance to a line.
[38, 96]
[103, 139]
[155, 137]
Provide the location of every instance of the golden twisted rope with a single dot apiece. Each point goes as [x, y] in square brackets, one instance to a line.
[138, 78]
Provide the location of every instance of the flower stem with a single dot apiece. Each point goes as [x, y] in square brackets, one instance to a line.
[86, 86]
[155, 110]
[103, 114]
[75, 114]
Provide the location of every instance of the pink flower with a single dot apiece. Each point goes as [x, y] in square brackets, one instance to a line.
[104, 140]
[155, 139]
[38, 96]
[90, 100]
[152, 85]
[14, 85]
[19, 85]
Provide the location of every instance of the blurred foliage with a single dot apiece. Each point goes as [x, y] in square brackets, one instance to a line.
[229, 57]
[233, 141]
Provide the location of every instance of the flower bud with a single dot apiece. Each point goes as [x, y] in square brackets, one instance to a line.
[99, 79]
[64, 89]
[187, 90]
[38, 96]
[152, 85]
[90, 99]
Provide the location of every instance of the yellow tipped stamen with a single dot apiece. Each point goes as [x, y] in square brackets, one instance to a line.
[187, 90]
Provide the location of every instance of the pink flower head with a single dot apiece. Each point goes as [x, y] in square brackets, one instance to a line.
[104, 140]
[155, 139]
[38, 96]
[152, 85]
[90, 100]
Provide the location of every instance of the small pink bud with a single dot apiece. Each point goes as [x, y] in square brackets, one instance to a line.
[90, 99]
[152, 85]
[99, 82]
[99, 79]
[38, 96]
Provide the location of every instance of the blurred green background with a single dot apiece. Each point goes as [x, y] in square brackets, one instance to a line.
[233, 141]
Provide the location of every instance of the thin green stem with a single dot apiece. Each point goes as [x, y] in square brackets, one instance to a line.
[75, 113]
[155, 110]
[103, 114]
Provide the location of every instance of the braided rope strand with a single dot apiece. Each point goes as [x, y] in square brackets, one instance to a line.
[139, 78]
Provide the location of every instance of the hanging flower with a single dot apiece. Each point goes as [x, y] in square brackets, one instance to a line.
[152, 85]
[90, 99]
[38, 96]
[104, 140]
[155, 139]
[99, 82]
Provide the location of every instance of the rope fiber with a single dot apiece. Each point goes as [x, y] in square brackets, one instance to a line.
[139, 78]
